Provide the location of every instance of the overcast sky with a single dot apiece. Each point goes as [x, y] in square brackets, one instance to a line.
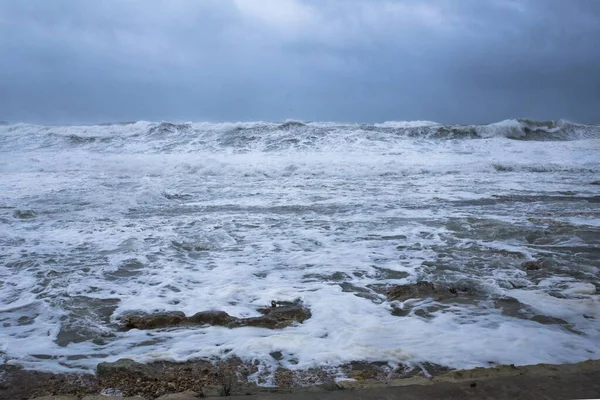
[453, 61]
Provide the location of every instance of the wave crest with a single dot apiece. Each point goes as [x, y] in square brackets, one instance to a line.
[270, 136]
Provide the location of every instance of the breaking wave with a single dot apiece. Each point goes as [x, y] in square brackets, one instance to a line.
[100, 221]
[271, 136]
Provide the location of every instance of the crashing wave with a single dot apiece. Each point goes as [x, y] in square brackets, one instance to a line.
[524, 129]
[276, 136]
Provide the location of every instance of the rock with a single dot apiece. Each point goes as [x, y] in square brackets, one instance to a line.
[283, 316]
[277, 317]
[100, 397]
[24, 214]
[213, 391]
[534, 265]
[154, 321]
[258, 322]
[597, 183]
[124, 365]
[531, 266]
[417, 290]
[217, 318]
[187, 395]
[56, 398]
[425, 289]
[287, 312]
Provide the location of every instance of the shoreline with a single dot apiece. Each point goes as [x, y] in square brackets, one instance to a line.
[230, 378]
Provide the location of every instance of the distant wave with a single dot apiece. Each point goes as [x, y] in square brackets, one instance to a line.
[276, 136]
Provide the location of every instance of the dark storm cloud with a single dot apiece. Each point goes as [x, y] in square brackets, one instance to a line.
[366, 60]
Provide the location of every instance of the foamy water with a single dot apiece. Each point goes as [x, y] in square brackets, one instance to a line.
[97, 221]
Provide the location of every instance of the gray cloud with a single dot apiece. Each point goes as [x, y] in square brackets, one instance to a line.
[346, 60]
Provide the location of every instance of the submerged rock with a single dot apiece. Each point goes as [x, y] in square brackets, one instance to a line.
[24, 214]
[286, 315]
[534, 265]
[531, 265]
[417, 290]
[154, 321]
[216, 318]
[274, 317]
[424, 289]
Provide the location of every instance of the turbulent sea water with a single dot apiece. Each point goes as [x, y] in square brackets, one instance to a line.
[98, 221]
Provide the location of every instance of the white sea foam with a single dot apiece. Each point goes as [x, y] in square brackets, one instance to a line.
[230, 216]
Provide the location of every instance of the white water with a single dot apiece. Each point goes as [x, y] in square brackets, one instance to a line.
[231, 216]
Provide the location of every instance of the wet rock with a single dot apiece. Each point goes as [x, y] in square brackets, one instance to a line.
[456, 290]
[597, 183]
[258, 322]
[424, 289]
[510, 307]
[535, 265]
[123, 366]
[24, 214]
[365, 293]
[216, 318]
[187, 395]
[278, 316]
[531, 266]
[425, 313]
[417, 290]
[400, 312]
[154, 321]
[284, 315]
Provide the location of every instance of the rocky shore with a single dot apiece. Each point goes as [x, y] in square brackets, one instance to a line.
[127, 379]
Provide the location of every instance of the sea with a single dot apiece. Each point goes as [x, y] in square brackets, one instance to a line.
[99, 221]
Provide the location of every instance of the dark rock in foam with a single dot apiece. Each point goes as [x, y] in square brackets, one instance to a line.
[424, 289]
[535, 265]
[24, 214]
[216, 318]
[154, 321]
[277, 317]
